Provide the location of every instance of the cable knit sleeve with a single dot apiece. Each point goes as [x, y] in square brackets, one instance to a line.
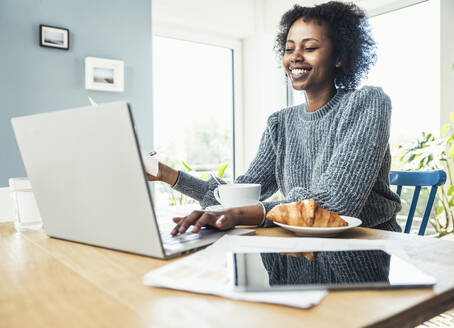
[261, 170]
[361, 142]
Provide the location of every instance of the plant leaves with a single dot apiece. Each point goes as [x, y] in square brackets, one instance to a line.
[451, 191]
[450, 139]
[444, 129]
[222, 170]
[421, 163]
[451, 151]
[186, 167]
[451, 202]
[439, 210]
[451, 117]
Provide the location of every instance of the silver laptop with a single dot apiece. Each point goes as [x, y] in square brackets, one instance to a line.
[90, 184]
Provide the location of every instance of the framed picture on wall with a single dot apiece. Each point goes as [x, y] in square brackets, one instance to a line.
[104, 74]
[53, 37]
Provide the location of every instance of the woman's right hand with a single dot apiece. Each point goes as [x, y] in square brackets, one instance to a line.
[229, 218]
[222, 220]
[165, 174]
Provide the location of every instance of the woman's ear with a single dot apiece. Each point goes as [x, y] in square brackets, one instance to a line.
[338, 63]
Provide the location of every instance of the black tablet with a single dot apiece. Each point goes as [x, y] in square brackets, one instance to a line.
[323, 270]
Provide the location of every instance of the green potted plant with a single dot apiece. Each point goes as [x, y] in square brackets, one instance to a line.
[432, 153]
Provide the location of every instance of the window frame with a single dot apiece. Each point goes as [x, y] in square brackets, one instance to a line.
[392, 6]
[237, 101]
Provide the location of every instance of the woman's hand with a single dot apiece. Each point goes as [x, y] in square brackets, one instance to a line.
[165, 174]
[223, 220]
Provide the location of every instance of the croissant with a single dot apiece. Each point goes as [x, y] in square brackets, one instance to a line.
[310, 256]
[305, 213]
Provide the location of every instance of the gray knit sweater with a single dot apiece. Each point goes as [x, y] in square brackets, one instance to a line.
[338, 155]
[328, 268]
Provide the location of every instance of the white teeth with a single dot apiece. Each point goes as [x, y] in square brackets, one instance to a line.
[297, 71]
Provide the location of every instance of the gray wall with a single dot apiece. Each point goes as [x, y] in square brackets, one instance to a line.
[35, 79]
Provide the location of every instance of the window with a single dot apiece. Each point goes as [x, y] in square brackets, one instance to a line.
[408, 68]
[193, 109]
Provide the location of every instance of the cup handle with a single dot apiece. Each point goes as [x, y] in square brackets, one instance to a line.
[216, 195]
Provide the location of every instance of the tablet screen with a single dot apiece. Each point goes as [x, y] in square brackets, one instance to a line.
[323, 270]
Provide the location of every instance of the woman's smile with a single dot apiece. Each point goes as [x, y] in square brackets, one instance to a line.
[297, 73]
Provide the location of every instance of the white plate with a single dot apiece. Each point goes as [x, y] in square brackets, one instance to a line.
[309, 231]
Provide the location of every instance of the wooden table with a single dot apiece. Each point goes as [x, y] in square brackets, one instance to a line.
[46, 282]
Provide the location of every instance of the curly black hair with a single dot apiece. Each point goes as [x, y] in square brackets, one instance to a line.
[349, 32]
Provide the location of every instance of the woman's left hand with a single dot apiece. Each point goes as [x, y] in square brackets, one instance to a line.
[222, 220]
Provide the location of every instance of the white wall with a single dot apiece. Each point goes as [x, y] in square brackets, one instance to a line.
[446, 60]
[232, 19]
[264, 88]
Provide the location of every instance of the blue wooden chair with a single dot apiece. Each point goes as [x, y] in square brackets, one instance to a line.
[418, 179]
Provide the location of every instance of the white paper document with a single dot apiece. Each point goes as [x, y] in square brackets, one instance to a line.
[205, 272]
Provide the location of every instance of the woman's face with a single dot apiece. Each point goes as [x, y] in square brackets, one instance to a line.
[309, 56]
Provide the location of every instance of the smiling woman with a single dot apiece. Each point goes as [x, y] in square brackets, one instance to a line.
[333, 149]
[310, 61]
[330, 33]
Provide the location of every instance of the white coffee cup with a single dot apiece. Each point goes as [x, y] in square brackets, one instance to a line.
[237, 194]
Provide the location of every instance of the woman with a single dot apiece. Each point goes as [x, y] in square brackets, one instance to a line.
[334, 148]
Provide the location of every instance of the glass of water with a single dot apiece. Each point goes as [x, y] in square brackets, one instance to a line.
[26, 211]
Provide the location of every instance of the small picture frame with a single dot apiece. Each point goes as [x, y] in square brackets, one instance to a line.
[53, 37]
[104, 74]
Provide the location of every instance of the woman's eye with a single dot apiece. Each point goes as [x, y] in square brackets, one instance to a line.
[288, 50]
[310, 48]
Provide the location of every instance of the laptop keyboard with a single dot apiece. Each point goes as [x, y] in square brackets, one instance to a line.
[164, 217]
[168, 239]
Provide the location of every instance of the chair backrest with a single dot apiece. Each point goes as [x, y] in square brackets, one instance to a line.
[418, 179]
